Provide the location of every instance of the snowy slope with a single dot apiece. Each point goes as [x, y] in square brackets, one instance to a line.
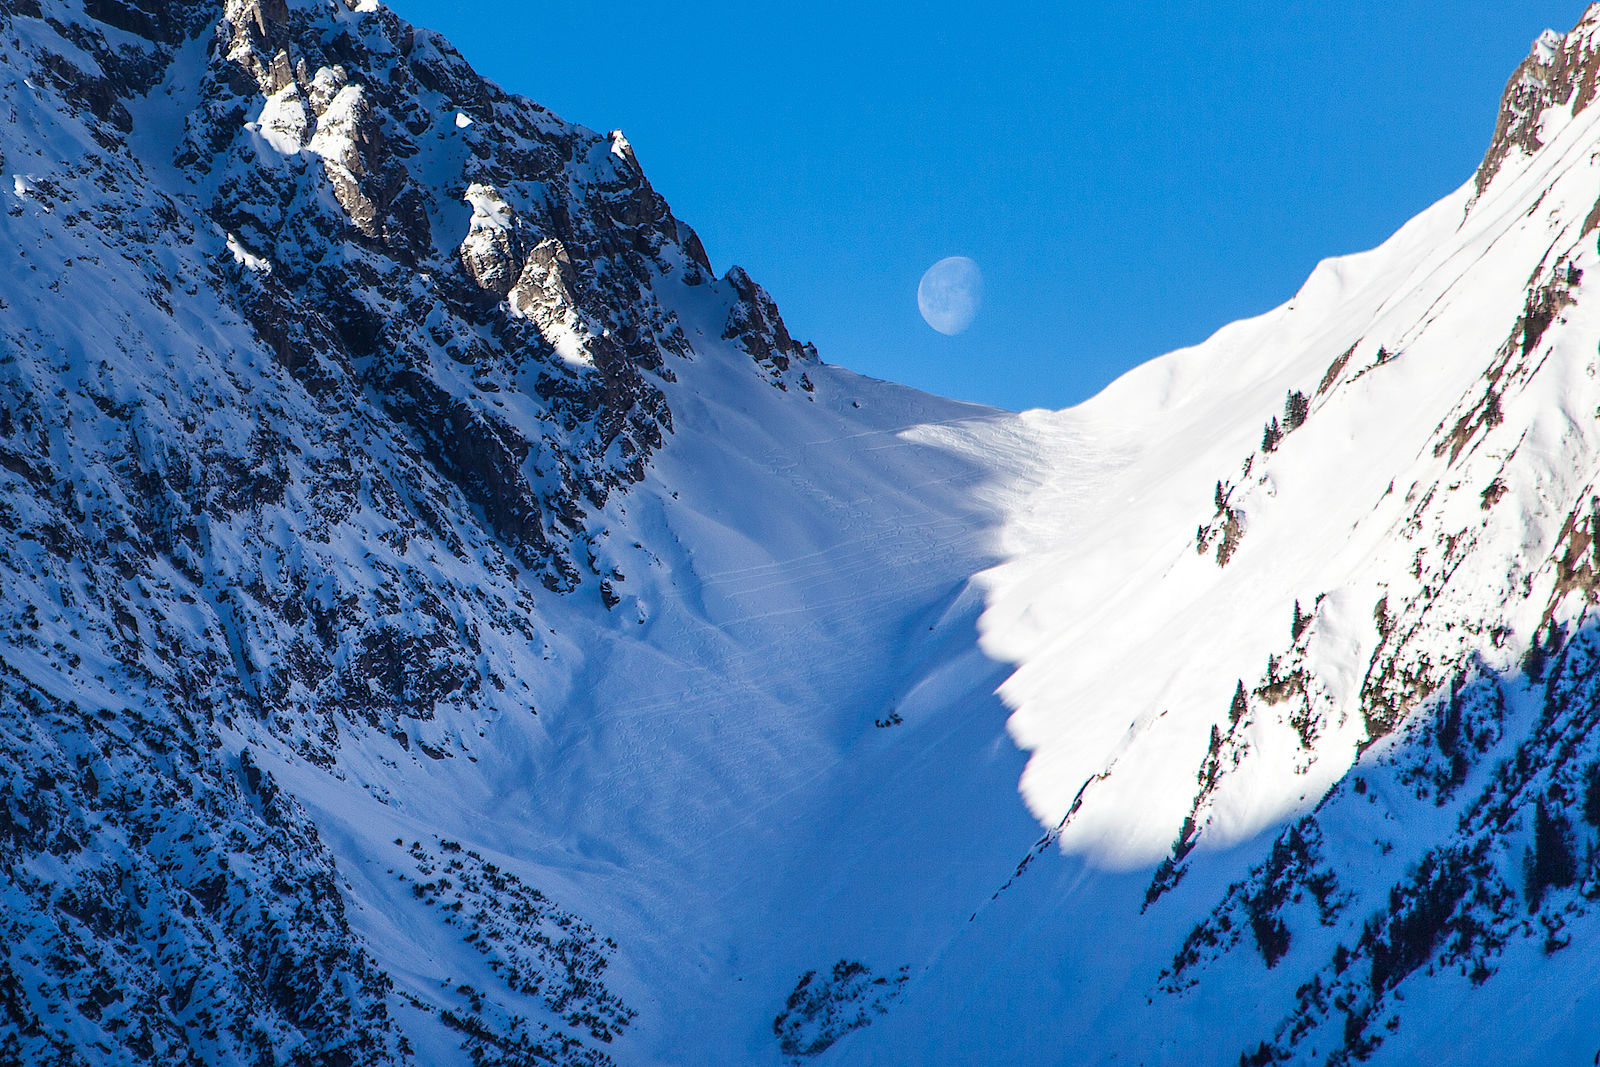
[1348, 862]
[446, 623]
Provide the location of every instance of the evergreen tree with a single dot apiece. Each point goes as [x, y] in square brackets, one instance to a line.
[1533, 662]
[1240, 704]
[1295, 409]
[1271, 436]
[1449, 732]
[1492, 415]
[1591, 796]
[1550, 862]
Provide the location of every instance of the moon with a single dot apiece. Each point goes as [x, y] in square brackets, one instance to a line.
[950, 294]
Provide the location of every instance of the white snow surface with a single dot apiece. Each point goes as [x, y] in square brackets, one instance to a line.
[247, 259]
[869, 645]
[489, 212]
[706, 777]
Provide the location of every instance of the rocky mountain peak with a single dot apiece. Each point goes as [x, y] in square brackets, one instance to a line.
[1559, 73]
[333, 143]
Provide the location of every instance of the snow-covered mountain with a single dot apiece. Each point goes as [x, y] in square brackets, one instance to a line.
[445, 622]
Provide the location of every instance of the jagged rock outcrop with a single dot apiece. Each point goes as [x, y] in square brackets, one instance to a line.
[754, 322]
[1560, 72]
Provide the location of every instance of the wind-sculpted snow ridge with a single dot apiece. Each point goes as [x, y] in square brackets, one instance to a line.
[445, 623]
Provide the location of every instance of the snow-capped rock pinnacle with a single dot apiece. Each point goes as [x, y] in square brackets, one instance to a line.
[1559, 74]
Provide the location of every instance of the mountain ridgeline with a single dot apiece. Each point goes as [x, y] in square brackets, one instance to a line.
[447, 623]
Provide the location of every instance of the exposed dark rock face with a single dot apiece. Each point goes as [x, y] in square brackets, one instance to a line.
[822, 1009]
[166, 900]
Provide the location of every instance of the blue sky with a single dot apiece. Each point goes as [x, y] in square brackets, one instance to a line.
[1129, 176]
